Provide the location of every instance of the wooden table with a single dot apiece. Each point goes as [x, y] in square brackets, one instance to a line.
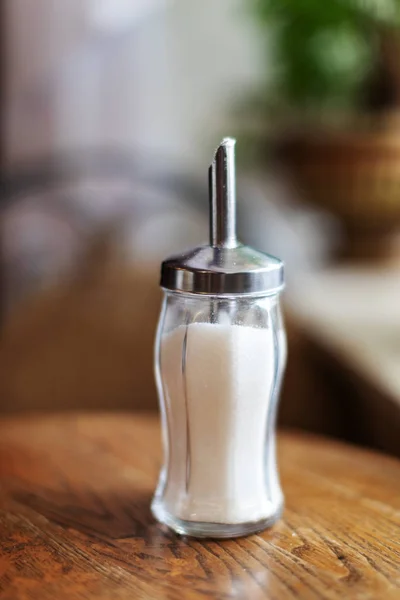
[75, 521]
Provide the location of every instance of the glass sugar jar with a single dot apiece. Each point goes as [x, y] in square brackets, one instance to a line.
[219, 360]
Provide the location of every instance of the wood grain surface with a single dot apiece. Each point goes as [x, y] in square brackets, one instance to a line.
[75, 521]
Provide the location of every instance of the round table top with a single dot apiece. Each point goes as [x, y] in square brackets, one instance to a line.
[75, 521]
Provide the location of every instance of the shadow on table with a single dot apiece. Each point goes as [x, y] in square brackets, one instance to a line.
[114, 516]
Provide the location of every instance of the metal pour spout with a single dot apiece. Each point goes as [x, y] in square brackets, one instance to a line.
[224, 267]
[222, 187]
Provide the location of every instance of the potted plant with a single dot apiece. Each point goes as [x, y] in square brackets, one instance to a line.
[333, 96]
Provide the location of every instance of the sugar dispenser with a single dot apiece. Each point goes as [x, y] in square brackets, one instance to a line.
[219, 360]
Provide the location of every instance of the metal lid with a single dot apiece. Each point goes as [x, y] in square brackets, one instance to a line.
[225, 267]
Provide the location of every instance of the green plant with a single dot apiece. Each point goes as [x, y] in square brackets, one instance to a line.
[327, 54]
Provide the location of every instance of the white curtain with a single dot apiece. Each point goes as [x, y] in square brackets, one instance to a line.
[151, 74]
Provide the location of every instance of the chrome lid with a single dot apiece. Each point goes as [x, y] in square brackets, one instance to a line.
[225, 267]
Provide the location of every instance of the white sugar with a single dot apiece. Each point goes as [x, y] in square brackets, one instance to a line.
[218, 382]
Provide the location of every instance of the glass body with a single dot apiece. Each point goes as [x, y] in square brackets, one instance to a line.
[219, 363]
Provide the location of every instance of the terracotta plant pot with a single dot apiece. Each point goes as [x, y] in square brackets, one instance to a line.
[355, 176]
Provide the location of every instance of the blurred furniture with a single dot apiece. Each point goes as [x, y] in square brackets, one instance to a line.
[82, 239]
[75, 520]
[347, 342]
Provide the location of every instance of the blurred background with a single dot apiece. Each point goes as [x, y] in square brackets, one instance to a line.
[110, 112]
